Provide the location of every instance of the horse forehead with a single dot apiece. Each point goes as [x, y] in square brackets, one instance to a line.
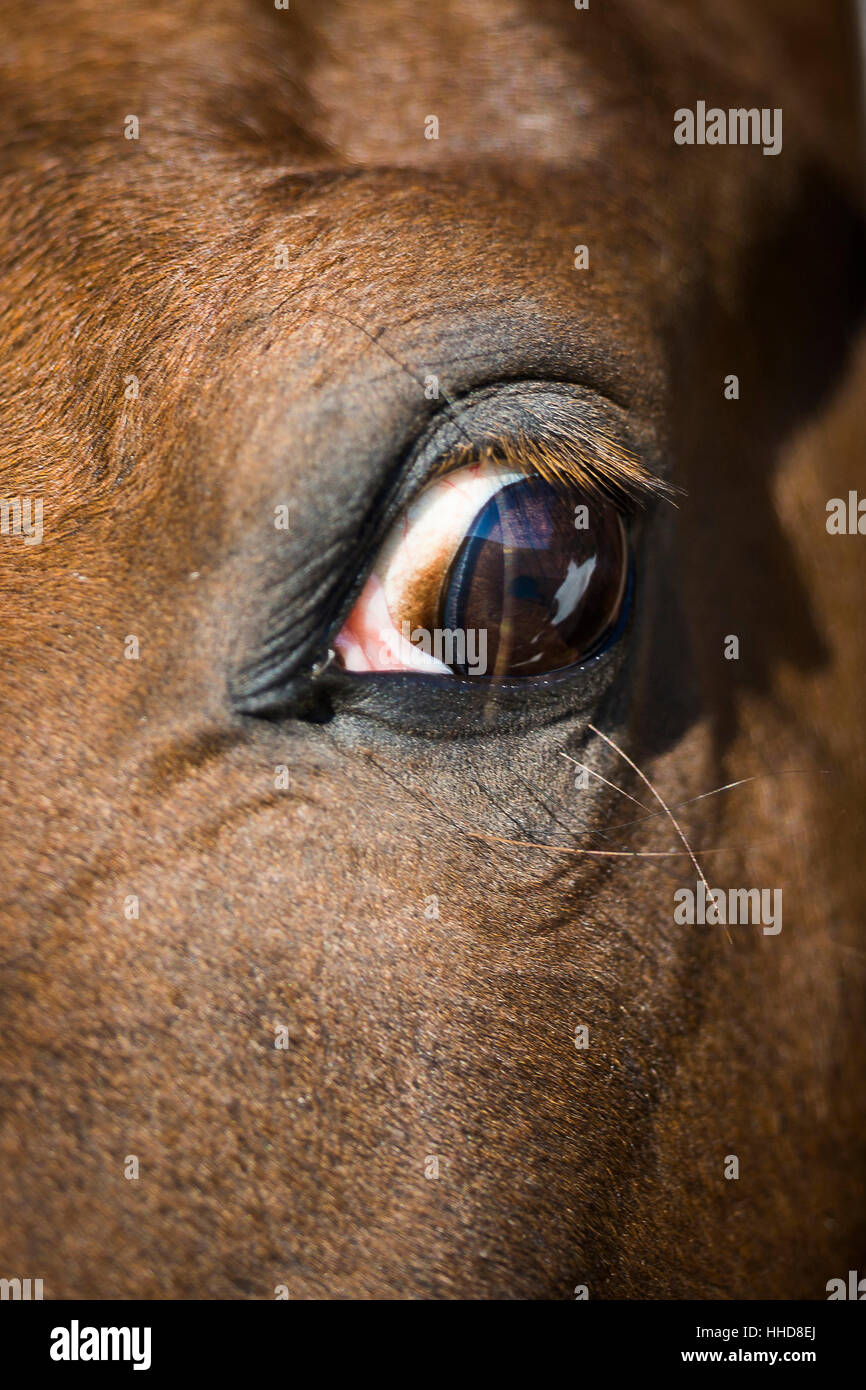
[515, 79]
[544, 80]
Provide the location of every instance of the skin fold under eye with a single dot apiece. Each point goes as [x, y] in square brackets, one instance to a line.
[492, 574]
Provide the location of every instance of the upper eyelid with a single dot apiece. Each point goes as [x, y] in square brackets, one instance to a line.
[558, 429]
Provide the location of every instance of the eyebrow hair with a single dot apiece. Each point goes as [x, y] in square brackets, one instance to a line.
[569, 456]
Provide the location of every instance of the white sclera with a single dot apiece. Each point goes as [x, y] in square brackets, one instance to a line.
[426, 538]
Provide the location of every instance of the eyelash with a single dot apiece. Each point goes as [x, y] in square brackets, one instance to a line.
[607, 469]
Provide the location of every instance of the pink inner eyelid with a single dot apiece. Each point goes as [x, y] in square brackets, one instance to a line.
[369, 640]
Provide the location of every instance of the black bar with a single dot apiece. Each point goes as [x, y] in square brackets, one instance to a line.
[297, 1339]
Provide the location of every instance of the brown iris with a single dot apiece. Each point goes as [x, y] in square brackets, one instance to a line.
[544, 573]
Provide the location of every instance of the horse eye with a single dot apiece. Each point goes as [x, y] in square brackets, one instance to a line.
[492, 574]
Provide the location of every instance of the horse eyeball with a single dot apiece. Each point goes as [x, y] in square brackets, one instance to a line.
[492, 575]
[549, 593]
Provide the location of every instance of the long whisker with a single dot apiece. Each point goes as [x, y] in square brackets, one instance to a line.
[660, 799]
[616, 853]
[729, 786]
[613, 788]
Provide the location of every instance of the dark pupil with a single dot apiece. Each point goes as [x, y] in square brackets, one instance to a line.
[547, 593]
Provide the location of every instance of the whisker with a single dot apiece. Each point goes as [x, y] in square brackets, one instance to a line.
[608, 784]
[486, 836]
[729, 786]
[726, 788]
[660, 799]
[619, 853]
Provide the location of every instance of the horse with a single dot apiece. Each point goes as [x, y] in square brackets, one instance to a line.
[320, 982]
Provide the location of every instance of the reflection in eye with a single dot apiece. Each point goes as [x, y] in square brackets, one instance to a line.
[493, 574]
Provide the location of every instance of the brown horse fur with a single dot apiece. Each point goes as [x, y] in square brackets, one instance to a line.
[268, 379]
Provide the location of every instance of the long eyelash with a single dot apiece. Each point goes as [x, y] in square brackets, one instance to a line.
[570, 457]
